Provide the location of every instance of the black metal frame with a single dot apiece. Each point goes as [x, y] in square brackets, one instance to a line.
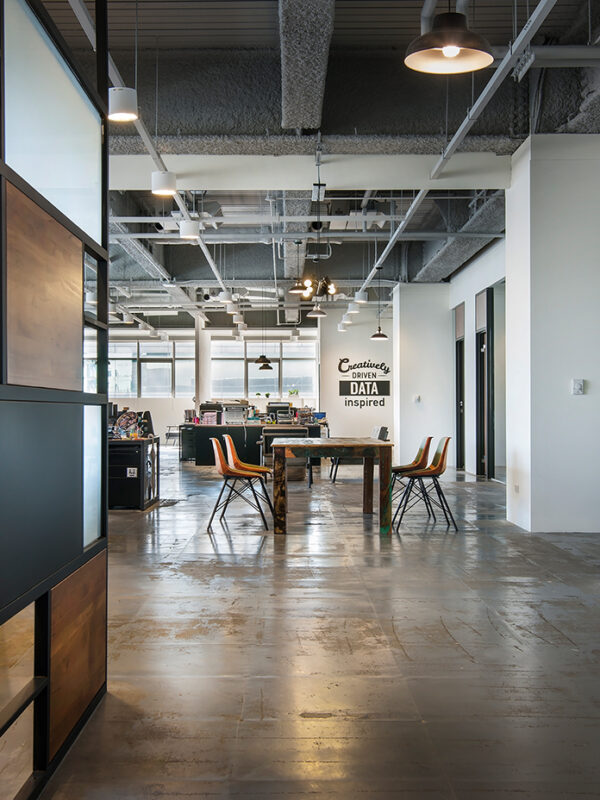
[485, 411]
[37, 691]
[417, 485]
[459, 349]
[248, 485]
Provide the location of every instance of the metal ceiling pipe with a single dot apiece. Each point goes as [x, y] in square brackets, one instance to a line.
[520, 44]
[427, 15]
[87, 24]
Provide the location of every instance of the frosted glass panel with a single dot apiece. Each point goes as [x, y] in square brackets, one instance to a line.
[53, 132]
[92, 473]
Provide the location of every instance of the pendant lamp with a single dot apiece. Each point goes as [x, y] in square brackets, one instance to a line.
[122, 104]
[317, 312]
[164, 184]
[378, 336]
[189, 229]
[265, 366]
[341, 327]
[361, 297]
[449, 48]
[123, 100]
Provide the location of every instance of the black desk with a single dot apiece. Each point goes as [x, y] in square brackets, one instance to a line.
[133, 472]
[195, 442]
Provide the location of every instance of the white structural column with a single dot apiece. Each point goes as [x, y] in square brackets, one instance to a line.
[553, 334]
[423, 368]
[203, 376]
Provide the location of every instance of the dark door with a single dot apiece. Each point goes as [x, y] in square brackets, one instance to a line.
[460, 403]
[482, 403]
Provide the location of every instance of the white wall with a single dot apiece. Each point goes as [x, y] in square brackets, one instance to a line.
[553, 334]
[165, 410]
[485, 270]
[355, 345]
[423, 330]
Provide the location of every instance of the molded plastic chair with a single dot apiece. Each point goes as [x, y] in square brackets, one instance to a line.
[416, 482]
[236, 463]
[232, 477]
[418, 462]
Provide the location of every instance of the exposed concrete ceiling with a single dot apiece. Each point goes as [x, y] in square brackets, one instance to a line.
[259, 78]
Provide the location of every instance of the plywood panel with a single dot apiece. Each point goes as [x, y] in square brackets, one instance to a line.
[44, 297]
[77, 646]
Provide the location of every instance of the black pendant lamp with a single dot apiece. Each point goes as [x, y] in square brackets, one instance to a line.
[262, 359]
[379, 336]
[449, 48]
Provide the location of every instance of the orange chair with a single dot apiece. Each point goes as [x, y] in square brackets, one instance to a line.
[232, 476]
[418, 462]
[234, 460]
[416, 482]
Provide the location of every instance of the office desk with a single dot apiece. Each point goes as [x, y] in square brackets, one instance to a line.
[367, 449]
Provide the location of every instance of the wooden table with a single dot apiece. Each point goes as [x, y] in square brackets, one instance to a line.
[367, 449]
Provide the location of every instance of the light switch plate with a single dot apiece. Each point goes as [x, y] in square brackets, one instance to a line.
[577, 386]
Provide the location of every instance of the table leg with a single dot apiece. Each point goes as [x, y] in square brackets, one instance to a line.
[279, 491]
[368, 486]
[385, 490]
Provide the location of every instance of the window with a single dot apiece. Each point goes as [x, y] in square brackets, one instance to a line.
[122, 378]
[263, 381]
[185, 378]
[299, 374]
[227, 377]
[156, 379]
[235, 373]
[90, 360]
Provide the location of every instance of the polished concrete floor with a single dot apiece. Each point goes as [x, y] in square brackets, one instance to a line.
[335, 663]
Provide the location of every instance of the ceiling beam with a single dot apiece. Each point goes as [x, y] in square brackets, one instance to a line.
[239, 173]
[305, 29]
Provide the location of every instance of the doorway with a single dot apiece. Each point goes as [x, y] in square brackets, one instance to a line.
[484, 379]
[459, 363]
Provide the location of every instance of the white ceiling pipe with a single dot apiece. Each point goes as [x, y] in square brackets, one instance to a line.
[520, 44]
[87, 24]
[528, 32]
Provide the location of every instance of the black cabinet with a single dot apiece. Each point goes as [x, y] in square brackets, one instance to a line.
[133, 472]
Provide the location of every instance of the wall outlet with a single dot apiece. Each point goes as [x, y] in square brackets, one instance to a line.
[577, 386]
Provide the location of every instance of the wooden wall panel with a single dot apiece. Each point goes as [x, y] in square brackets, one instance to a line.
[44, 297]
[77, 646]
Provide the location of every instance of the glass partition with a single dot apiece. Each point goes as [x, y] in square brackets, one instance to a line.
[92, 474]
[53, 134]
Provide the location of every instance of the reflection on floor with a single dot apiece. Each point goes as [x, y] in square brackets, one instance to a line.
[335, 663]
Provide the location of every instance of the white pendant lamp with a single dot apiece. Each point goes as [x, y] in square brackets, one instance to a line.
[231, 309]
[164, 184]
[189, 229]
[123, 100]
[353, 308]
[224, 296]
[361, 297]
[237, 318]
[347, 319]
[449, 48]
[341, 327]
[242, 326]
[122, 104]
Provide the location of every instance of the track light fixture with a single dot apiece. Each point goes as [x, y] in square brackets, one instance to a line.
[449, 48]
